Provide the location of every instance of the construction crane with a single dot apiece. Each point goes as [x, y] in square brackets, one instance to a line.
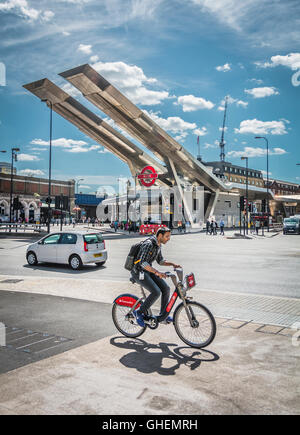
[222, 143]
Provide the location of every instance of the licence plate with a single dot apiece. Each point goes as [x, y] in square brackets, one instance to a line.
[97, 255]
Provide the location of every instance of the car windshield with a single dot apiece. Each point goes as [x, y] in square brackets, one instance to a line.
[290, 221]
[93, 238]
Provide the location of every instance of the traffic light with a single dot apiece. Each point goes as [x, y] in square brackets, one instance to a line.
[263, 205]
[48, 200]
[65, 202]
[16, 203]
[62, 202]
[242, 199]
[57, 203]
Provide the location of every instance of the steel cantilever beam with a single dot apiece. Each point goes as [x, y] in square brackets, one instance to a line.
[111, 101]
[93, 126]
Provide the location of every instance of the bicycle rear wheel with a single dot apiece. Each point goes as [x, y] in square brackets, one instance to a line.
[125, 322]
[204, 329]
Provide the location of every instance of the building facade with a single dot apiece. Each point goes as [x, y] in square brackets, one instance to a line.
[5, 168]
[32, 193]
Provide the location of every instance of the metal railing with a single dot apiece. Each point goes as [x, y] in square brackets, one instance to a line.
[15, 227]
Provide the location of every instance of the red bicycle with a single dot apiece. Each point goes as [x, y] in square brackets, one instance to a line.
[194, 323]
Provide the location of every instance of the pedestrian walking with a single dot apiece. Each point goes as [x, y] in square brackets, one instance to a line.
[222, 224]
[208, 230]
[257, 226]
[213, 227]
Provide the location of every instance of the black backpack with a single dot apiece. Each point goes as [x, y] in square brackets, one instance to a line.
[133, 254]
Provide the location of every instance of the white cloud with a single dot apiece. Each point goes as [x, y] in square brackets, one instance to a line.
[230, 12]
[94, 59]
[31, 172]
[208, 145]
[27, 158]
[61, 142]
[291, 61]
[231, 100]
[173, 124]
[81, 149]
[69, 145]
[254, 126]
[262, 92]
[190, 103]
[256, 152]
[177, 126]
[223, 68]
[257, 81]
[104, 151]
[131, 80]
[86, 49]
[47, 16]
[71, 90]
[202, 131]
[242, 103]
[20, 7]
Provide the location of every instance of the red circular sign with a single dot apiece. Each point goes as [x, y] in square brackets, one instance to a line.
[148, 176]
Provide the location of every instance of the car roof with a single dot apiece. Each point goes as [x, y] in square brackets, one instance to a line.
[79, 232]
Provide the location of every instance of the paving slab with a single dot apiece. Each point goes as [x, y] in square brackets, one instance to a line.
[157, 374]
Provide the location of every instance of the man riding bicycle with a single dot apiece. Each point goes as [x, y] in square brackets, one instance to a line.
[150, 278]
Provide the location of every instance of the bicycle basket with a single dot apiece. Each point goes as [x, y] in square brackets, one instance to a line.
[190, 281]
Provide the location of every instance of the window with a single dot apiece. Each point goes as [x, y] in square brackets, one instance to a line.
[68, 239]
[51, 240]
[93, 238]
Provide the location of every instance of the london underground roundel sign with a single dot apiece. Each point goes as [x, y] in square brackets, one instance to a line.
[148, 176]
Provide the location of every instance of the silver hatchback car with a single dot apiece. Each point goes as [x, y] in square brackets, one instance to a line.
[73, 248]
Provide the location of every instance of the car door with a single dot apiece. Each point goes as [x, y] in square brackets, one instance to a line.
[48, 248]
[66, 247]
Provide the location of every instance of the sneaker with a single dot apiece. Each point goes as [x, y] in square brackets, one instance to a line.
[139, 318]
[168, 320]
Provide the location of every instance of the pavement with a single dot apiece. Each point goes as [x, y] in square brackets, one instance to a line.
[252, 366]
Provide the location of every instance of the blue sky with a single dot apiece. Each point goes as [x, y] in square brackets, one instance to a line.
[175, 59]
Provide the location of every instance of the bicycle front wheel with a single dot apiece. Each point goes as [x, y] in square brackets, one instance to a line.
[125, 322]
[203, 329]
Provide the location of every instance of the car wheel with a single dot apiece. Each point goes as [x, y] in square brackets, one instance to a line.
[31, 259]
[75, 262]
[100, 264]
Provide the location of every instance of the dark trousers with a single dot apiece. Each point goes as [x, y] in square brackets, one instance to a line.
[156, 286]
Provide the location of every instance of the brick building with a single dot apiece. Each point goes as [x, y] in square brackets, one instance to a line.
[32, 193]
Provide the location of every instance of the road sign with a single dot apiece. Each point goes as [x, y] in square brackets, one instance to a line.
[148, 176]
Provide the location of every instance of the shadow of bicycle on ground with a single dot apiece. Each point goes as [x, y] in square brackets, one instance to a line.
[160, 358]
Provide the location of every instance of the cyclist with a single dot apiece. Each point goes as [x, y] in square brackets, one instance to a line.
[150, 278]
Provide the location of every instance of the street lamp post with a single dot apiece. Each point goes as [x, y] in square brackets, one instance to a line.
[267, 142]
[49, 104]
[128, 184]
[76, 189]
[13, 158]
[247, 207]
